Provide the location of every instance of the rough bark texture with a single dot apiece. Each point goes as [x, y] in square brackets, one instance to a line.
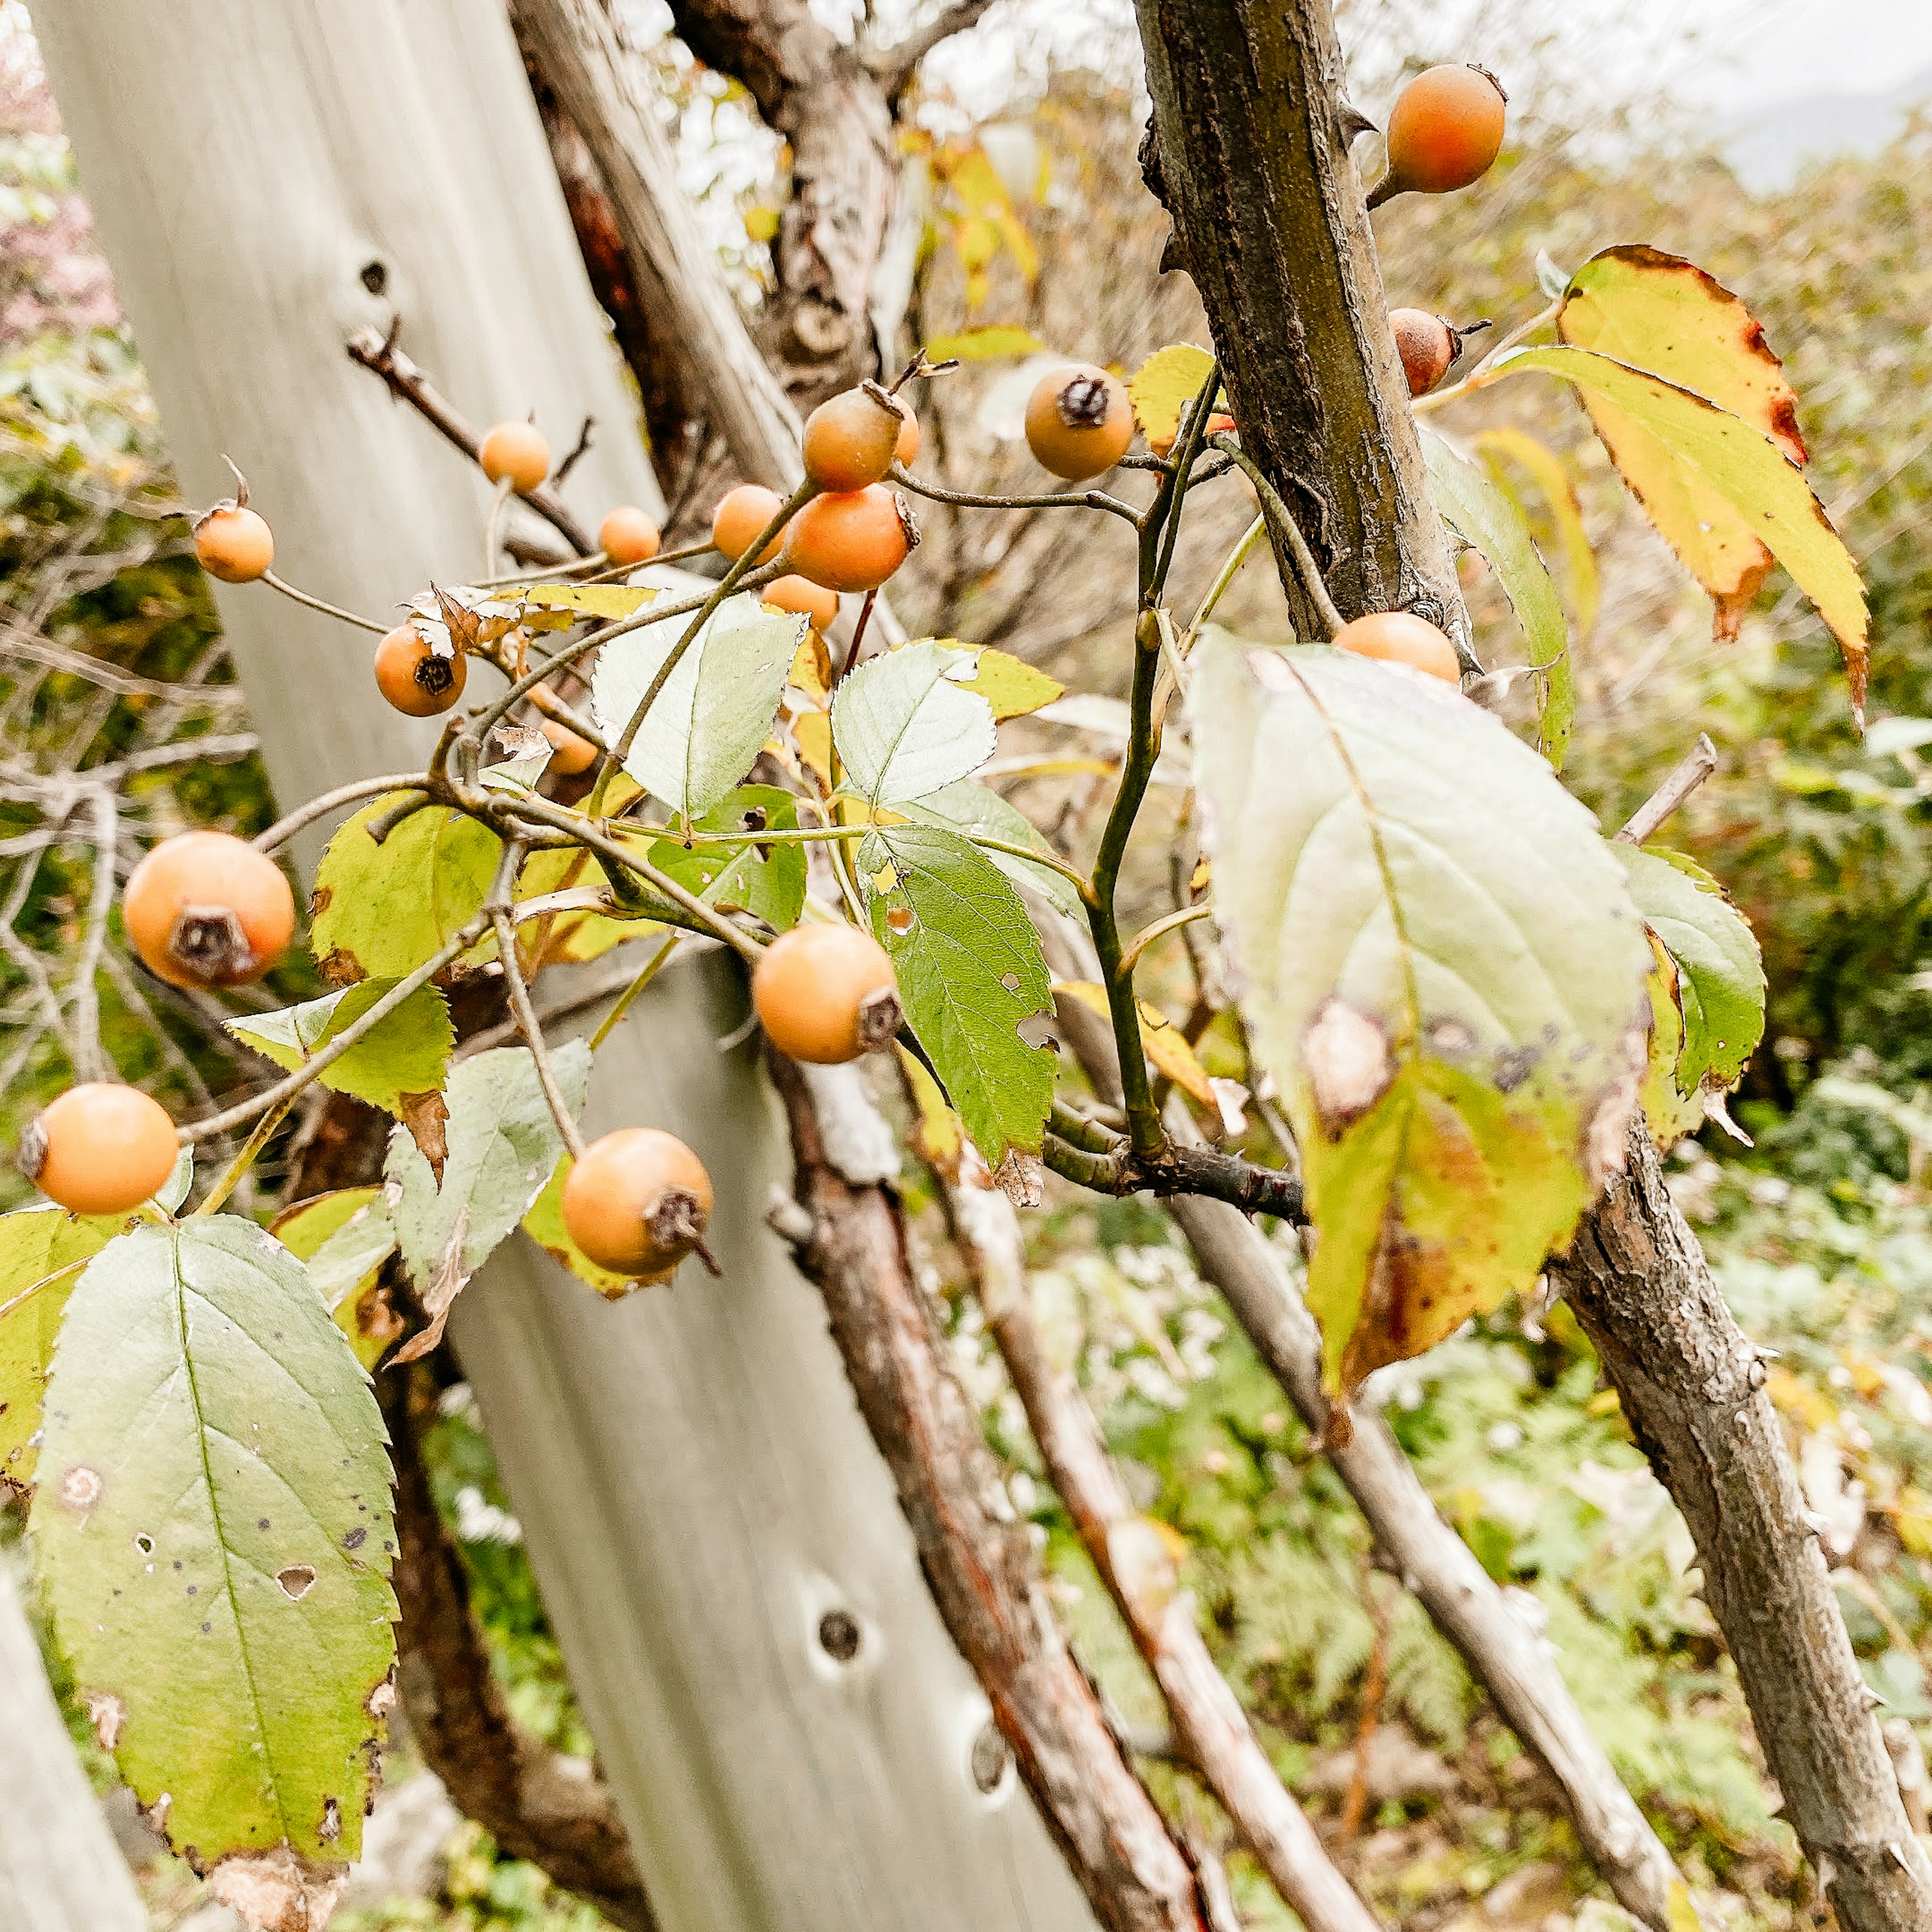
[1249, 152]
[1692, 1388]
[850, 1242]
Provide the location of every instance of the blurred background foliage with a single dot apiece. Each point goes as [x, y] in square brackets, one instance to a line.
[1032, 221]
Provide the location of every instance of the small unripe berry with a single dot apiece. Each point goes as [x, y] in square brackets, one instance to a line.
[851, 540]
[1400, 637]
[206, 909]
[516, 450]
[851, 438]
[741, 514]
[1427, 345]
[826, 993]
[1078, 422]
[807, 599]
[1445, 130]
[99, 1149]
[234, 543]
[637, 1202]
[627, 536]
[570, 754]
[416, 678]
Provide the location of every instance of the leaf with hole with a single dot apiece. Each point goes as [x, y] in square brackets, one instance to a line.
[1445, 978]
[406, 1053]
[767, 881]
[615, 601]
[380, 911]
[905, 724]
[970, 975]
[709, 723]
[1009, 684]
[969, 808]
[213, 1531]
[1483, 517]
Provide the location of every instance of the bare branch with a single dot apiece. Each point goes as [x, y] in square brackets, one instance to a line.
[894, 68]
[1683, 778]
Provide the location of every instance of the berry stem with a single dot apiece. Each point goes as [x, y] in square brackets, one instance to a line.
[493, 529]
[1485, 372]
[1079, 500]
[650, 971]
[527, 1024]
[328, 610]
[1238, 555]
[1160, 928]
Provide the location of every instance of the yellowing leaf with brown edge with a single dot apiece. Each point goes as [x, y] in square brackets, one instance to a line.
[1660, 313]
[1166, 1045]
[1163, 385]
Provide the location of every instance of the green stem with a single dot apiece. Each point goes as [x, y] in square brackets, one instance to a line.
[251, 1150]
[1238, 555]
[649, 973]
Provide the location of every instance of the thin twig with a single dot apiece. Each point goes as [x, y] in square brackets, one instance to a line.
[86, 995]
[1282, 520]
[1082, 499]
[284, 829]
[1684, 778]
[328, 610]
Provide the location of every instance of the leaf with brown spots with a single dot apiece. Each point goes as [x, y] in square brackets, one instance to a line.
[1440, 965]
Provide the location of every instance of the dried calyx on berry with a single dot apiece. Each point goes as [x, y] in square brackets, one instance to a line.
[1084, 403]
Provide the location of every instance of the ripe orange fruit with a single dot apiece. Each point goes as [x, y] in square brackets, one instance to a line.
[826, 993]
[851, 440]
[1400, 637]
[637, 1202]
[740, 515]
[415, 679]
[1427, 345]
[801, 595]
[851, 540]
[518, 450]
[1445, 131]
[101, 1148]
[234, 544]
[206, 909]
[570, 754]
[906, 448]
[627, 536]
[1078, 422]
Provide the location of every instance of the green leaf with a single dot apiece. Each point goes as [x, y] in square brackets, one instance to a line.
[712, 718]
[214, 1532]
[970, 972]
[35, 1244]
[966, 808]
[380, 911]
[1742, 466]
[904, 725]
[544, 1224]
[1486, 520]
[1444, 974]
[406, 1054]
[768, 882]
[343, 1238]
[502, 1144]
[1506, 444]
[1719, 986]
[985, 345]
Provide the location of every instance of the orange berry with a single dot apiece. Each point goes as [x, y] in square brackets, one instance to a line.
[1399, 637]
[571, 753]
[417, 680]
[99, 1149]
[206, 909]
[1445, 130]
[851, 540]
[1427, 345]
[518, 450]
[1078, 422]
[234, 544]
[740, 515]
[826, 994]
[851, 440]
[637, 1202]
[801, 595]
[627, 536]
[906, 448]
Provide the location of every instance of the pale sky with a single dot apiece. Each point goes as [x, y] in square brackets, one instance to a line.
[1758, 51]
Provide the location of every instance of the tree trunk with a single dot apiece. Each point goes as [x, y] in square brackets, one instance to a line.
[696, 1485]
[60, 1869]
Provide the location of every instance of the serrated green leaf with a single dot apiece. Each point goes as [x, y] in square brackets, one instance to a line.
[768, 882]
[1719, 990]
[904, 725]
[544, 1224]
[966, 808]
[36, 1244]
[571, 938]
[406, 1054]
[711, 720]
[1164, 385]
[1446, 979]
[970, 972]
[985, 345]
[214, 1532]
[502, 1145]
[1684, 435]
[1485, 519]
[342, 1239]
[380, 911]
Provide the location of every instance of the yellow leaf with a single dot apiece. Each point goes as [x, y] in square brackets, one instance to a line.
[1165, 1044]
[1800, 1400]
[813, 730]
[812, 668]
[937, 1135]
[1164, 385]
[985, 345]
[1011, 686]
[1498, 446]
[594, 600]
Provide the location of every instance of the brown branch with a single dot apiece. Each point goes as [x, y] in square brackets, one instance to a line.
[379, 354]
[1692, 1388]
[893, 67]
[1211, 1727]
[1109, 1165]
[1679, 782]
[848, 1238]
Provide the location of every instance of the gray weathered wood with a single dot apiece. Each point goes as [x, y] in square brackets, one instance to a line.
[696, 1485]
[60, 1869]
